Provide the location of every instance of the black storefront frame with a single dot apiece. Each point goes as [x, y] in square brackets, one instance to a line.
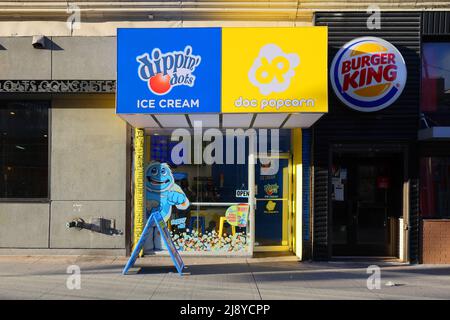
[435, 27]
[379, 148]
[396, 125]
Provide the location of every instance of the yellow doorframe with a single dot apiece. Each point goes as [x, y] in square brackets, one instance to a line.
[297, 198]
[139, 192]
[287, 236]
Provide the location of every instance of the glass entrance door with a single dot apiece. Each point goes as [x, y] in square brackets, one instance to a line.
[367, 204]
[272, 210]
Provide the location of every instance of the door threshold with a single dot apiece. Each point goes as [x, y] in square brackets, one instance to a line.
[366, 259]
[270, 248]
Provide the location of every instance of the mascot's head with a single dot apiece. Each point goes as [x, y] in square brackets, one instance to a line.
[158, 177]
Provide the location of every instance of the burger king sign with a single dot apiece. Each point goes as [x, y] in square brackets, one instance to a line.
[368, 74]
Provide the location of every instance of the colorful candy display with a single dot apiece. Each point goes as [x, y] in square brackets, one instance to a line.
[210, 241]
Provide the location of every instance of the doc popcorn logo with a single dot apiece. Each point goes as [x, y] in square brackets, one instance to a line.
[368, 74]
[273, 69]
[163, 71]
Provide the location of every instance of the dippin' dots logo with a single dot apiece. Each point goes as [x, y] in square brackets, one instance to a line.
[271, 189]
[368, 74]
[163, 71]
[273, 69]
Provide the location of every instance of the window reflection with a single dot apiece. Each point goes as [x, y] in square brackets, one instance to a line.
[435, 97]
[435, 187]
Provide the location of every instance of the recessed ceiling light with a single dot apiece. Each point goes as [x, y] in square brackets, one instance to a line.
[12, 113]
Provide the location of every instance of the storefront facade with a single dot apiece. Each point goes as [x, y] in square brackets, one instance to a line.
[73, 163]
[434, 139]
[365, 175]
[229, 129]
[381, 178]
[68, 180]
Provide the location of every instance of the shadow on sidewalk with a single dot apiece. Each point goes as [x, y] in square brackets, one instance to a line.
[261, 271]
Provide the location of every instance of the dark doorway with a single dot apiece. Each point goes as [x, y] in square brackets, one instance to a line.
[366, 203]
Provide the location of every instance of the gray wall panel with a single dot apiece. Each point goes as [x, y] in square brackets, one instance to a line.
[88, 154]
[67, 58]
[19, 60]
[24, 225]
[88, 171]
[84, 58]
[65, 211]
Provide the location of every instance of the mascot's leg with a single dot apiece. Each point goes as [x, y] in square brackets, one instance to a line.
[158, 245]
[149, 243]
[165, 211]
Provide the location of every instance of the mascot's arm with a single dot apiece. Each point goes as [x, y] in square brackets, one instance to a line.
[181, 201]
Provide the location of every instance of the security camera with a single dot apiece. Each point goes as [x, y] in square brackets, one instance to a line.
[38, 42]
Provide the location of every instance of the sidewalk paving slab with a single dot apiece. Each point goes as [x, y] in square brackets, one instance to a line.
[221, 278]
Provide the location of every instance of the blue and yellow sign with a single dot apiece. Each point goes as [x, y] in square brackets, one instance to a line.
[274, 70]
[170, 70]
[229, 70]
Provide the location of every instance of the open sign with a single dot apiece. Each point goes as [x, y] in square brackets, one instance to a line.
[241, 193]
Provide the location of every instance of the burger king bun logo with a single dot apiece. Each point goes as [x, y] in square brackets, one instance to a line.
[368, 74]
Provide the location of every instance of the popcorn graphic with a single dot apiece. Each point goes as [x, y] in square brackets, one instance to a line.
[270, 205]
[273, 69]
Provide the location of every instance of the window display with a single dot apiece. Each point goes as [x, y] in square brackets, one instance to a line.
[217, 218]
[435, 187]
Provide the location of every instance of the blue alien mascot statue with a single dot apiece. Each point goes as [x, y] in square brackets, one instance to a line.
[161, 190]
[161, 194]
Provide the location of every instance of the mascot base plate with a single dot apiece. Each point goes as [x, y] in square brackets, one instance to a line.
[157, 219]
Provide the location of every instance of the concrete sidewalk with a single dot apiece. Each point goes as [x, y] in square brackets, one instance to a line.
[45, 277]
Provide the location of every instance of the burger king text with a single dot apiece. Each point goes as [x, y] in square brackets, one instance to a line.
[361, 71]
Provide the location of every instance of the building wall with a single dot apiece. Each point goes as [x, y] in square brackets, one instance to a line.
[88, 179]
[85, 132]
[435, 235]
[88, 170]
[102, 17]
[24, 225]
[88, 150]
[65, 58]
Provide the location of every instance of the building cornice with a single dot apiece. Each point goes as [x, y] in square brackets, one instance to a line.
[200, 10]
